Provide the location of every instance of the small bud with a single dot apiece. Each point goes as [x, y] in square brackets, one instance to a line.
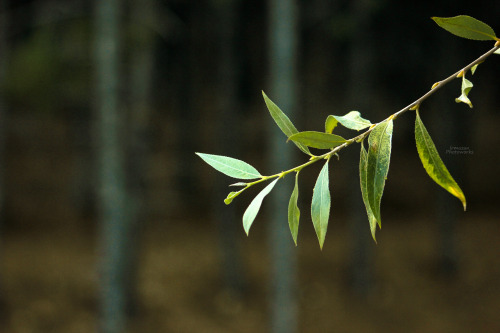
[461, 74]
[435, 85]
[497, 44]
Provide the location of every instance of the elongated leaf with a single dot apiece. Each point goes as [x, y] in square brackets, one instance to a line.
[253, 208]
[363, 160]
[466, 27]
[283, 122]
[466, 87]
[432, 162]
[318, 139]
[293, 210]
[320, 207]
[377, 168]
[353, 121]
[330, 124]
[231, 166]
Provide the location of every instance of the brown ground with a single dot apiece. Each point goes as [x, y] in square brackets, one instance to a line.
[50, 284]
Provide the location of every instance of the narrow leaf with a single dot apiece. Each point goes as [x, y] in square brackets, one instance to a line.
[432, 162]
[330, 124]
[353, 121]
[363, 159]
[466, 87]
[318, 139]
[473, 69]
[231, 167]
[466, 27]
[293, 210]
[253, 208]
[283, 122]
[377, 168]
[320, 207]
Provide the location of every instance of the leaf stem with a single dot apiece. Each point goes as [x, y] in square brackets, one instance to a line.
[412, 106]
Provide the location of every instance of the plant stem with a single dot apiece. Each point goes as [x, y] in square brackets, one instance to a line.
[414, 105]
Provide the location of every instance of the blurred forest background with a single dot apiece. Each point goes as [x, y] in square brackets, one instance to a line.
[111, 223]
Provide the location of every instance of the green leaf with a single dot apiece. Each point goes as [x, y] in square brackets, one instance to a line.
[283, 122]
[330, 124]
[363, 159]
[293, 210]
[497, 51]
[231, 167]
[466, 27]
[473, 69]
[466, 87]
[377, 168]
[320, 207]
[232, 195]
[432, 162]
[353, 120]
[318, 139]
[253, 208]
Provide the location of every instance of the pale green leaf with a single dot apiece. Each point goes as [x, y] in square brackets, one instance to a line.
[320, 207]
[363, 159]
[283, 122]
[318, 139]
[466, 87]
[497, 51]
[330, 124]
[432, 162]
[473, 69]
[377, 168]
[353, 120]
[466, 27]
[253, 208]
[231, 167]
[293, 210]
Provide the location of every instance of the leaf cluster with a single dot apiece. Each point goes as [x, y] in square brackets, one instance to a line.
[374, 159]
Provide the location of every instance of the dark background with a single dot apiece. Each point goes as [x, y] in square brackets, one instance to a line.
[435, 268]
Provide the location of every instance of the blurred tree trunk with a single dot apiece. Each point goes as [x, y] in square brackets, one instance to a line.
[114, 215]
[283, 39]
[360, 97]
[227, 140]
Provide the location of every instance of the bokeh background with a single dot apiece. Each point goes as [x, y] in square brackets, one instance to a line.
[111, 223]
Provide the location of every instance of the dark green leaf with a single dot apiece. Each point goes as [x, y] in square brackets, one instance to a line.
[353, 121]
[363, 159]
[466, 27]
[230, 166]
[283, 122]
[330, 124]
[466, 87]
[432, 162]
[320, 207]
[318, 139]
[293, 210]
[379, 155]
[253, 208]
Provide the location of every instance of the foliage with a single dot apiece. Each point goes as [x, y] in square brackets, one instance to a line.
[374, 161]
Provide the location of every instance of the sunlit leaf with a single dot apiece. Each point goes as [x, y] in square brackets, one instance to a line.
[353, 120]
[232, 195]
[320, 207]
[497, 51]
[293, 210]
[363, 159]
[231, 167]
[330, 124]
[377, 168]
[432, 162]
[318, 139]
[283, 122]
[466, 27]
[253, 208]
[466, 87]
